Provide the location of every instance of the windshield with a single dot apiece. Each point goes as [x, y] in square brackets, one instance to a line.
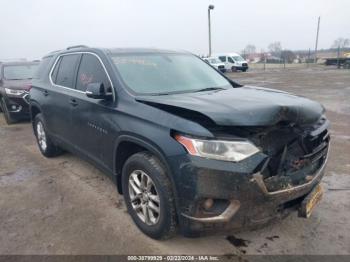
[19, 72]
[238, 58]
[165, 73]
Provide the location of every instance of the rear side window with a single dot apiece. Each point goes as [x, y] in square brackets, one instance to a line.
[66, 70]
[222, 58]
[91, 71]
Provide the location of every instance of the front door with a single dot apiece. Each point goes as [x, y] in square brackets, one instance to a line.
[90, 117]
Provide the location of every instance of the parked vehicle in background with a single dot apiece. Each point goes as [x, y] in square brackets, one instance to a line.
[15, 82]
[233, 61]
[187, 147]
[216, 63]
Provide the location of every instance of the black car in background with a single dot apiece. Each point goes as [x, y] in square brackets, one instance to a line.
[15, 82]
[187, 147]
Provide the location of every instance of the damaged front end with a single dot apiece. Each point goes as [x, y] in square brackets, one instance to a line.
[216, 194]
[268, 185]
[293, 155]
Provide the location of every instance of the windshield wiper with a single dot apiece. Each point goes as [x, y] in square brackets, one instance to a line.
[210, 89]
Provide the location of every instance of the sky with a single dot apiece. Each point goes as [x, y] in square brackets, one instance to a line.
[31, 28]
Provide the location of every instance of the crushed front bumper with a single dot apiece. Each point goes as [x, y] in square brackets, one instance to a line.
[243, 201]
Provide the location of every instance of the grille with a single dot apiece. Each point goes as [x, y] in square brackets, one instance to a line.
[293, 158]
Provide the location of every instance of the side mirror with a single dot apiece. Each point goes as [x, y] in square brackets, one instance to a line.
[97, 91]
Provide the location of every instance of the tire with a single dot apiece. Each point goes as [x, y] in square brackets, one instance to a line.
[46, 146]
[245, 70]
[163, 225]
[9, 120]
[233, 69]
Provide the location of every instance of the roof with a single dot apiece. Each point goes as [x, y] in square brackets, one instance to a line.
[83, 48]
[142, 50]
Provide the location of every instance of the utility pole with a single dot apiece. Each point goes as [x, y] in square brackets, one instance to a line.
[318, 30]
[338, 55]
[210, 7]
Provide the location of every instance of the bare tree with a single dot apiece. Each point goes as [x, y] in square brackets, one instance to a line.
[341, 42]
[288, 56]
[275, 48]
[249, 49]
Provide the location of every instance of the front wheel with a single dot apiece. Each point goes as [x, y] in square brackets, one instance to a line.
[46, 146]
[233, 69]
[148, 195]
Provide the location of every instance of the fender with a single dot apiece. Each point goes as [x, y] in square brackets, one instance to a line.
[141, 141]
[150, 146]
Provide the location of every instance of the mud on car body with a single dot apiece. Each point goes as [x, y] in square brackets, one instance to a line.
[187, 147]
[15, 79]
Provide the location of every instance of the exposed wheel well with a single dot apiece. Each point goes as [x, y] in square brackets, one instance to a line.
[124, 151]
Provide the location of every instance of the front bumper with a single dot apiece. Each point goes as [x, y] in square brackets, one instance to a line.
[18, 106]
[242, 68]
[244, 199]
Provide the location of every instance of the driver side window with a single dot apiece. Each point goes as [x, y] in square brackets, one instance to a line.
[91, 71]
[231, 60]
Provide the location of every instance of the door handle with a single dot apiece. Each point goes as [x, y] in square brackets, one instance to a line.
[73, 102]
[46, 93]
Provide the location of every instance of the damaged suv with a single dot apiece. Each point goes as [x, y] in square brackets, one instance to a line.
[187, 147]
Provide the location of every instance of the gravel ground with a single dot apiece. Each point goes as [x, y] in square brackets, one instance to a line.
[66, 206]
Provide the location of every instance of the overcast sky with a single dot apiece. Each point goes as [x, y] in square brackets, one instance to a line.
[31, 28]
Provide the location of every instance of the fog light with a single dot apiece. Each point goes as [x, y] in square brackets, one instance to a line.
[208, 203]
[13, 107]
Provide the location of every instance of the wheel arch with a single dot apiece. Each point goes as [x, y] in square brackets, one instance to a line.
[34, 110]
[127, 145]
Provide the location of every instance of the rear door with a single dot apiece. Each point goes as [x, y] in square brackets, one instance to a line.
[91, 118]
[59, 99]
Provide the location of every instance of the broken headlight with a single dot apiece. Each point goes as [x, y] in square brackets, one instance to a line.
[218, 149]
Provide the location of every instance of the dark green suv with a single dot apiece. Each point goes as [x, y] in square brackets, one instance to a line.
[187, 147]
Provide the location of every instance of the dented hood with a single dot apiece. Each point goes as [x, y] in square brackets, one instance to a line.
[244, 106]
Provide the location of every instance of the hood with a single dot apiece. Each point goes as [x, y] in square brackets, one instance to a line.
[244, 106]
[18, 84]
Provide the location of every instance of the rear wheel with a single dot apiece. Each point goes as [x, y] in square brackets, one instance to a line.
[9, 120]
[148, 195]
[46, 146]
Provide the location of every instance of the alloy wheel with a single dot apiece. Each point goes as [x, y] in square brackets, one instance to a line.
[41, 135]
[144, 197]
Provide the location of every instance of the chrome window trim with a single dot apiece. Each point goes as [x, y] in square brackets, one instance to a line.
[73, 89]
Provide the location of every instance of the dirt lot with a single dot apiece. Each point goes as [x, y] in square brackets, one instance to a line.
[66, 206]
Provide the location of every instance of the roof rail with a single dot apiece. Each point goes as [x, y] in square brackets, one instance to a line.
[76, 46]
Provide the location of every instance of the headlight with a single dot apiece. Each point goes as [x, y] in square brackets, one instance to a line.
[14, 92]
[218, 149]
